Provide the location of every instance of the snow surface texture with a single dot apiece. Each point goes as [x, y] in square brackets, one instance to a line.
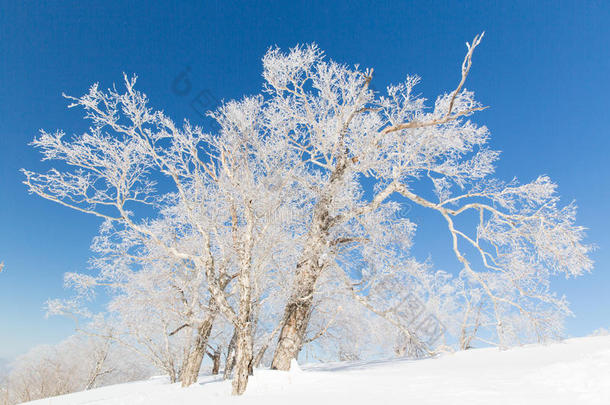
[576, 371]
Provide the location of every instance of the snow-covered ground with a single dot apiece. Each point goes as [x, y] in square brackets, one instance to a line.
[574, 372]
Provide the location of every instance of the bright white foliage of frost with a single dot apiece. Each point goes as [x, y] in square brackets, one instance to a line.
[241, 201]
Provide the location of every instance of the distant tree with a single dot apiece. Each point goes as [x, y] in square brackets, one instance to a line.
[75, 364]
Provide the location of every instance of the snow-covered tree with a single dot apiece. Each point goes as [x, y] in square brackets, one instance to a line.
[145, 276]
[397, 146]
[231, 192]
[297, 202]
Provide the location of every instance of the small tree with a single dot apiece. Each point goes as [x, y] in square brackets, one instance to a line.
[75, 364]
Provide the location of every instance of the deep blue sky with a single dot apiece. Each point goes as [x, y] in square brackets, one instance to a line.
[543, 68]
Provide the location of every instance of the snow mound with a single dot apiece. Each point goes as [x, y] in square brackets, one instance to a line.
[576, 371]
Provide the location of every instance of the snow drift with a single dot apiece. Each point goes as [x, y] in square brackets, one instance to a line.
[576, 371]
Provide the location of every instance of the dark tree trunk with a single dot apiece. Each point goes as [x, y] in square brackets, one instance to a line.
[294, 326]
[192, 363]
[216, 361]
[230, 360]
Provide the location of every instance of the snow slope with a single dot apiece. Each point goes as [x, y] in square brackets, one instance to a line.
[576, 371]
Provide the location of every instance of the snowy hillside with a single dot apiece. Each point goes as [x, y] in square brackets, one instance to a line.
[576, 371]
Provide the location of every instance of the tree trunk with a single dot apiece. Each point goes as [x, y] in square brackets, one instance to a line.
[243, 341]
[216, 361]
[295, 321]
[243, 324]
[192, 363]
[99, 365]
[243, 360]
[299, 306]
[259, 356]
[172, 376]
[230, 360]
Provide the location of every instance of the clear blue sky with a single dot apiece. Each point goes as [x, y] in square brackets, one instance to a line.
[543, 68]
